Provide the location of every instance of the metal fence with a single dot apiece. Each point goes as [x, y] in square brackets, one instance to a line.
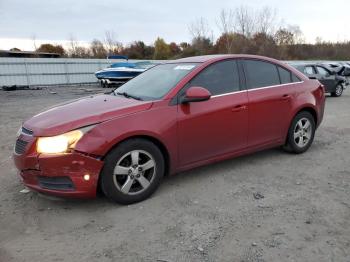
[50, 71]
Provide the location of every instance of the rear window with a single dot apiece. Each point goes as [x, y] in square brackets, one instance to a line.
[285, 75]
[261, 74]
[295, 79]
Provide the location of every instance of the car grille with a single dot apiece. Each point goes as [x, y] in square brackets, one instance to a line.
[20, 146]
[27, 131]
[56, 183]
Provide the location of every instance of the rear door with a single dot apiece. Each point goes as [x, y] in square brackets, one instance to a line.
[269, 94]
[218, 126]
[326, 78]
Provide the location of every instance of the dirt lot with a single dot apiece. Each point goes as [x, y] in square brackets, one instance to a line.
[207, 214]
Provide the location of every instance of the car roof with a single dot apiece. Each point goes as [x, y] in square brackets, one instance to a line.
[307, 64]
[208, 59]
[212, 58]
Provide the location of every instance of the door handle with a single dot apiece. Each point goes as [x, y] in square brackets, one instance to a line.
[286, 97]
[238, 108]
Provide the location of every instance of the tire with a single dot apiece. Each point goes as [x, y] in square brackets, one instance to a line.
[132, 171]
[301, 133]
[338, 91]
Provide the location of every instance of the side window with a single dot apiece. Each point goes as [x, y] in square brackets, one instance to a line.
[261, 74]
[295, 78]
[219, 78]
[285, 75]
[309, 70]
[322, 71]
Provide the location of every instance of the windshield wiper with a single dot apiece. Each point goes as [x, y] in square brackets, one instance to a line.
[125, 94]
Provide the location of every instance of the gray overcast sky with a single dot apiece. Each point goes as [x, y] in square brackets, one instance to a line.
[146, 20]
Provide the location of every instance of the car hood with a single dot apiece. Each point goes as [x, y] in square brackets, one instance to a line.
[83, 112]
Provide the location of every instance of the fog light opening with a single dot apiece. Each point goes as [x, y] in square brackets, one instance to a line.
[86, 177]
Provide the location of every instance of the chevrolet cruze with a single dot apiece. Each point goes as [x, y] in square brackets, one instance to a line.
[173, 117]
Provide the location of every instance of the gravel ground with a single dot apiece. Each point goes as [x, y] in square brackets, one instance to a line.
[269, 206]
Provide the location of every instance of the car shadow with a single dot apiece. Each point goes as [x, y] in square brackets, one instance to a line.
[216, 169]
[169, 183]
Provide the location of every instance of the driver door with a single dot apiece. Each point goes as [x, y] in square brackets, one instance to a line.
[219, 125]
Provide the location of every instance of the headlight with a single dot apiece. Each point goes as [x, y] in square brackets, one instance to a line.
[60, 143]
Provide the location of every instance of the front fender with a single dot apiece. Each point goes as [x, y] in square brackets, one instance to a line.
[157, 123]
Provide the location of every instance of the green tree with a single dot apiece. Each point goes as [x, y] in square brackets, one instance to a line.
[161, 49]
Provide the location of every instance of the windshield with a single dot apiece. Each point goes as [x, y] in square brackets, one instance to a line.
[123, 64]
[154, 83]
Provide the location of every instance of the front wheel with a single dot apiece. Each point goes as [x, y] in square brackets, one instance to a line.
[132, 171]
[338, 90]
[301, 133]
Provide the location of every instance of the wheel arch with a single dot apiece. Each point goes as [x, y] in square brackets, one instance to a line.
[309, 109]
[154, 140]
[306, 108]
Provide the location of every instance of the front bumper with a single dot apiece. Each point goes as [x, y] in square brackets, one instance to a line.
[59, 175]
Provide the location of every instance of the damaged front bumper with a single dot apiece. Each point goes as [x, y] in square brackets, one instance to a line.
[65, 175]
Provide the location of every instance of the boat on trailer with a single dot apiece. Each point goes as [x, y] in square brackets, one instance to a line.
[121, 72]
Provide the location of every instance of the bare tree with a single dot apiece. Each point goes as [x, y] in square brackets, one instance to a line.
[73, 44]
[82, 52]
[283, 37]
[266, 20]
[202, 36]
[200, 29]
[226, 21]
[226, 26]
[112, 45]
[97, 49]
[34, 42]
[297, 33]
[244, 21]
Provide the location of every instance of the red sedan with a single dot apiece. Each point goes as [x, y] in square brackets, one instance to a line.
[174, 117]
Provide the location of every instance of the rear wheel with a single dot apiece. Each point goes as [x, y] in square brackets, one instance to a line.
[132, 171]
[338, 90]
[301, 133]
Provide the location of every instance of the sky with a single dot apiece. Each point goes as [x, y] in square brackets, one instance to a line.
[56, 22]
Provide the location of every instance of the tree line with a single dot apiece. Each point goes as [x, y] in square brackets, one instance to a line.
[242, 30]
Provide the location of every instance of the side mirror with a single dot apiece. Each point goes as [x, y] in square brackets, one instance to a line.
[195, 94]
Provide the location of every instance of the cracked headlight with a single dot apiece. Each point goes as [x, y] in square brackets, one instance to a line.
[60, 143]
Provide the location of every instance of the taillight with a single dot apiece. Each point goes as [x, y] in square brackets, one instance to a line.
[322, 89]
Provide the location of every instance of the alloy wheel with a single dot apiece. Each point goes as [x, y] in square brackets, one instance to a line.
[302, 132]
[134, 172]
